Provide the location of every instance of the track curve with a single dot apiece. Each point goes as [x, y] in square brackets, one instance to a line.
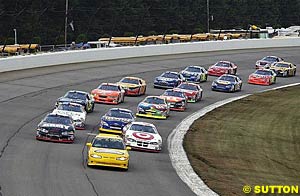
[29, 167]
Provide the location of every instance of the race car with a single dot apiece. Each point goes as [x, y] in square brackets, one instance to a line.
[80, 97]
[284, 69]
[56, 128]
[195, 74]
[109, 93]
[227, 82]
[262, 77]
[115, 119]
[153, 107]
[168, 79]
[222, 67]
[192, 91]
[267, 61]
[133, 85]
[108, 150]
[76, 111]
[176, 99]
[142, 136]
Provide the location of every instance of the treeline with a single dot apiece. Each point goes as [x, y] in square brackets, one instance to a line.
[42, 21]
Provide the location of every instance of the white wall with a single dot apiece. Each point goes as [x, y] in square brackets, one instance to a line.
[68, 57]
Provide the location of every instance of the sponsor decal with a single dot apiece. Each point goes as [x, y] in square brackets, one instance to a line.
[143, 136]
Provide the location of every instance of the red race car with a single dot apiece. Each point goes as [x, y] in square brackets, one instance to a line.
[176, 99]
[192, 91]
[262, 77]
[222, 67]
[108, 93]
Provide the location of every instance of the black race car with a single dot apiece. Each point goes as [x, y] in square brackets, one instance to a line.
[80, 97]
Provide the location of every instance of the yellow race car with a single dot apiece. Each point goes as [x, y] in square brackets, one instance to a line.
[108, 150]
[284, 69]
[133, 86]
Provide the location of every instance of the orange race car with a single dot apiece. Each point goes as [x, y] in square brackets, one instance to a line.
[133, 85]
[108, 93]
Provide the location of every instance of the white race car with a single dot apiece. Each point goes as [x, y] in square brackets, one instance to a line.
[142, 136]
[74, 110]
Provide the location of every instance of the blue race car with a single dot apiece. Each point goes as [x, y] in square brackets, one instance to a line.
[228, 83]
[115, 119]
[194, 74]
[83, 98]
[168, 79]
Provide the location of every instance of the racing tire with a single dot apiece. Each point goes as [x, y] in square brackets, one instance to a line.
[144, 91]
[205, 79]
[294, 72]
[89, 110]
[241, 87]
[200, 97]
[234, 72]
[122, 101]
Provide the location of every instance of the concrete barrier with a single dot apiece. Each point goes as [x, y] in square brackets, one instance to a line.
[69, 57]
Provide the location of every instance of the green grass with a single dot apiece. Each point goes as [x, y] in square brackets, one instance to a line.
[253, 141]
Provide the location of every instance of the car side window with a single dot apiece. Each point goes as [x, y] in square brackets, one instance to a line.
[140, 81]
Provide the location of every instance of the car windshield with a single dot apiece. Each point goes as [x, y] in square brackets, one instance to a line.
[173, 93]
[142, 128]
[263, 72]
[75, 95]
[108, 87]
[282, 65]
[55, 119]
[193, 69]
[227, 78]
[154, 100]
[269, 59]
[222, 64]
[68, 107]
[169, 75]
[188, 87]
[111, 143]
[130, 81]
[119, 114]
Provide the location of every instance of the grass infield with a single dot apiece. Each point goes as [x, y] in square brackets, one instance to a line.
[253, 141]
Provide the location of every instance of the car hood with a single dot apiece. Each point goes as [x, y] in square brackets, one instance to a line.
[127, 85]
[108, 151]
[143, 135]
[166, 79]
[190, 73]
[225, 82]
[64, 99]
[173, 99]
[74, 115]
[153, 106]
[104, 92]
[116, 120]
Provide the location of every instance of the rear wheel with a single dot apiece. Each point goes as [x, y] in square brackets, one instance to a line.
[234, 72]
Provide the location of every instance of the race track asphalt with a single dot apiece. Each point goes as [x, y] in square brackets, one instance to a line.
[33, 168]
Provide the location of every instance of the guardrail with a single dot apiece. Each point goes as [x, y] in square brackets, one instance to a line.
[102, 54]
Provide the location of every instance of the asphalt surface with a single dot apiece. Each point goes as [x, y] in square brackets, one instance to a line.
[33, 168]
